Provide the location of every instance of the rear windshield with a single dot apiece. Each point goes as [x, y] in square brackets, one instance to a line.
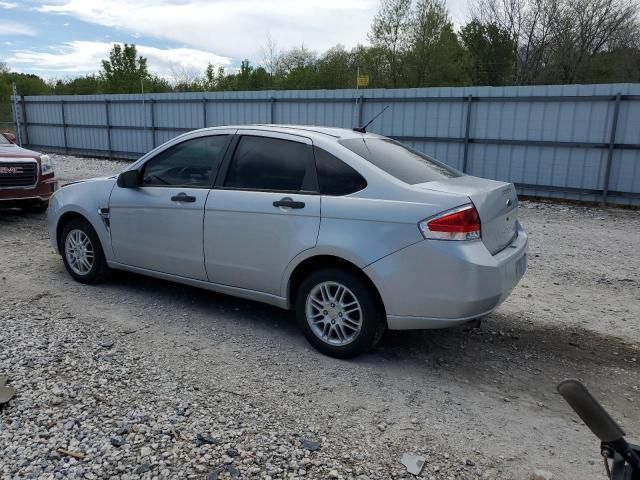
[404, 163]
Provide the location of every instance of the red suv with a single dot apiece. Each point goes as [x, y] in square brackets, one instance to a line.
[27, 179]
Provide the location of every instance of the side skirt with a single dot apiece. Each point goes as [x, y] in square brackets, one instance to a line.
[214, 287]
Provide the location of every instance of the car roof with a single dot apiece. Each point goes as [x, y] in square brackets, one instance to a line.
[304, 130]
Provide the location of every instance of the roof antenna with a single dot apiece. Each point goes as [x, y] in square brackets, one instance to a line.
[364, 129]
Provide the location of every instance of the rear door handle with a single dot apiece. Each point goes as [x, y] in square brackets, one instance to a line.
[288, 203]
[183, 198]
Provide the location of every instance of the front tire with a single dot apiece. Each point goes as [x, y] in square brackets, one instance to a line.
[338, 313]
[82, 252]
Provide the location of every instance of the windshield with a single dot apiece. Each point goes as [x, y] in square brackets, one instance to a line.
[3, 140]
[404, 163]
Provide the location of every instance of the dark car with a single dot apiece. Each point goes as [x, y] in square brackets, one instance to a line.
[27, 179]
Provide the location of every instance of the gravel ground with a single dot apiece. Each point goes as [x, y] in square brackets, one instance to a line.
[141, 378]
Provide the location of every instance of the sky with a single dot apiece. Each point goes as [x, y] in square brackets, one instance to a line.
[67, 38]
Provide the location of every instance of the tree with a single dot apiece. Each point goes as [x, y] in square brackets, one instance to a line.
[337, 68]
[125, 71]
[586, 28]
[186, 79]
[209, 77]
[389, 33]
[296, 69]
[430, 31]
[557, 41]
[449, 62]
[530, 23]
[87, 85]
[492, 53]
[270, 54]
[372, 61]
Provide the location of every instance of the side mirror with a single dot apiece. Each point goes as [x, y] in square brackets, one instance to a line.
[10, 136]
[129, 179]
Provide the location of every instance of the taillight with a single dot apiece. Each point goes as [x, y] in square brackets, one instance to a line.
[462, 223]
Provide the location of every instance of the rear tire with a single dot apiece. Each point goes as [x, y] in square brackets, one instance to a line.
[82, 252]
[338, 313]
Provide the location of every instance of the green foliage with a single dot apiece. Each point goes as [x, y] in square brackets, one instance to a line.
[125, 71]
[390, 32]
[87, 85]
[493, 53]
[435, 55]
[336, 68]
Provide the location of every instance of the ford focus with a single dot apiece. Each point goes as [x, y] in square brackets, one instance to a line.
[355, 232]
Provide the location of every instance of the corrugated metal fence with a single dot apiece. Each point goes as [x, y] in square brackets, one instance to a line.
[577, 142]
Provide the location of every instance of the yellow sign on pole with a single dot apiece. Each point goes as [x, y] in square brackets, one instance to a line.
[363, 80]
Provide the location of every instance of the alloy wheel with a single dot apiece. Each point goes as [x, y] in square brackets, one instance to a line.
[78, 251]
[333, 313]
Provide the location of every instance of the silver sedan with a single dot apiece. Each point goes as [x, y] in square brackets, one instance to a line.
[354, 231]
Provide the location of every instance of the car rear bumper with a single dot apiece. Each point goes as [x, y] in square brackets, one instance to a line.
[438, 284]
[42, 191]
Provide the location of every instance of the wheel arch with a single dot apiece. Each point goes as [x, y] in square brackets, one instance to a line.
[64, 219]
[322, 261]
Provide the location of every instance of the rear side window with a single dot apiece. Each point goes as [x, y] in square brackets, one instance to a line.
[404, 163]
[187, 164]
[263, 163]
[336, 177]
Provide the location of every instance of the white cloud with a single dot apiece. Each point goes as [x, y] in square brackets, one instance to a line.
[8, 5]
[232, 28]
[14, 28]
[80, 57]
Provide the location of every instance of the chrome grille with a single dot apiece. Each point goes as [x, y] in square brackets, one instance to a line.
[19, 174]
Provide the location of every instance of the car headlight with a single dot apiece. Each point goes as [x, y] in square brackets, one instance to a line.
[46, 164]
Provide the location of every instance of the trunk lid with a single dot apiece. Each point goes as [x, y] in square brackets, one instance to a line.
[496, 203]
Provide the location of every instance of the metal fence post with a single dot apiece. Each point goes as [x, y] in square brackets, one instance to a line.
[108, 123]
[25, 122]
[465, 153]
[272, 110]
[152, 103]
[16, 114]
[612, 146]
[64, 128]
[204, 113]
[360, 110]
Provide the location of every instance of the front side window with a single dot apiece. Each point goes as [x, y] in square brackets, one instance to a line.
[187, 164]
[336, 177]
[404, 163]
[263, 163]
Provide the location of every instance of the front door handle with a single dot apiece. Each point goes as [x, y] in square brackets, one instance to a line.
[288, 203]
[183, 198]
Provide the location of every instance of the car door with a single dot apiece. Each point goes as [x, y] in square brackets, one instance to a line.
[158, 225]
[264, 210]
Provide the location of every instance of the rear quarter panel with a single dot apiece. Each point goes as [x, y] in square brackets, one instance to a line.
[362, 230]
